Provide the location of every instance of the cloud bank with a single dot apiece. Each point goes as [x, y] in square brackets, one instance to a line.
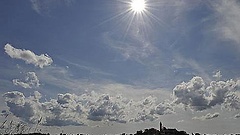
[71, 109]
[197, 96]
[30, 81]
[28, 56]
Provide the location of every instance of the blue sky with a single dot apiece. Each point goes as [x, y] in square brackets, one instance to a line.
[54, 53]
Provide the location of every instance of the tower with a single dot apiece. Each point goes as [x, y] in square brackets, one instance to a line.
[160, 126]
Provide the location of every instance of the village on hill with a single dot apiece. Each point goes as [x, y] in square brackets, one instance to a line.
[151, 131]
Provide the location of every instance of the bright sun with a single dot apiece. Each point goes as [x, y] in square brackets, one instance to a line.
[138, 6]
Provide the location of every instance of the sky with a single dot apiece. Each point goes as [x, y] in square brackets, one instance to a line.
[95, 66]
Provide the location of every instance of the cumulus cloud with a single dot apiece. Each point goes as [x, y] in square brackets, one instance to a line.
[197, 96]
[232, 101]
[218, 75]
[71, 109]
[207, 116]
[191, 94]
[163, 108]
[28, 56]
[30, 81]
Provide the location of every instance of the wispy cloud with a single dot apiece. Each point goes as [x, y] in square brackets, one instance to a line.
[64, 80]
[43, 7]
[228, 13]
[90, 69]
[28, 56]
[138, 50]
[181, 62]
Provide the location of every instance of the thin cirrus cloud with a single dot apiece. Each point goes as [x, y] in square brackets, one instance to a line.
[138, 50]
[28, 56]
[225, 14]
[44, 7]
[30, 81]
[228, 13]
[71, 109]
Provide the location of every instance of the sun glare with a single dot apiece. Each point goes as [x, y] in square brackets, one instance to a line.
[138, 5]
[136, 16]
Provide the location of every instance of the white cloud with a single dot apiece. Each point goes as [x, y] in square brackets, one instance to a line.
[71, 109]
[15, 97]
[30, 81]
[28, 56]
[232, 101]
[37, 6]
[163, 108]
[191, 94]
[218, 75]
[207, 116]
[223, 92]
[197, 96]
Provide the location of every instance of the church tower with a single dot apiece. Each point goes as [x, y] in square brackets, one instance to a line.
[161, 127]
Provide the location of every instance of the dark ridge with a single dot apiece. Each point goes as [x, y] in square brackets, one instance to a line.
[152, 131]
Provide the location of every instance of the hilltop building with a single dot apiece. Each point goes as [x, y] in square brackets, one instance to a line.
[162, 131]
[167, 131]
